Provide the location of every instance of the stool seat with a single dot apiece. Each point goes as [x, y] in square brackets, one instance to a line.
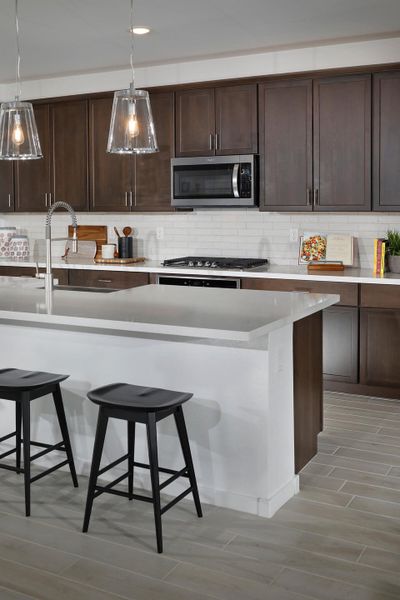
[136, 397]
[19, 380]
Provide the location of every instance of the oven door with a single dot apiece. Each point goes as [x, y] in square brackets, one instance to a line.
[212, 181]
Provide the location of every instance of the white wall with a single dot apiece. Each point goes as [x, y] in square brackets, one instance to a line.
[229, 232]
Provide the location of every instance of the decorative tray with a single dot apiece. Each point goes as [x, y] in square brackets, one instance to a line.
[119, 261]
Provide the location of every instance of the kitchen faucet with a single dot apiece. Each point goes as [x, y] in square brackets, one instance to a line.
[48, 276]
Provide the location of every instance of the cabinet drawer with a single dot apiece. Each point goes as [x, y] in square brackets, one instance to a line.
[60, 274]
[108, 279]
[380, 295]
[348, 292]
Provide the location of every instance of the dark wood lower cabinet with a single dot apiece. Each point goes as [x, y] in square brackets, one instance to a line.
[60, 274]
[340, 344]
[379, 347]
[307, 387]
[108, 279]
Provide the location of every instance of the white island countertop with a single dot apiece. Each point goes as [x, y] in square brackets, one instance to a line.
[219, 314]
[290, 272]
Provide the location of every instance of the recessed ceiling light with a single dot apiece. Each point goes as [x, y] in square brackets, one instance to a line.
[140, 30]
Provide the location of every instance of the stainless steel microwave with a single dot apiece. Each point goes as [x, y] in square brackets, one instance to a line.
[214, 181]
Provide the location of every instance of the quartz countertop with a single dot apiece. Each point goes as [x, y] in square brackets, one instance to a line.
[218, 314]
[349, 275]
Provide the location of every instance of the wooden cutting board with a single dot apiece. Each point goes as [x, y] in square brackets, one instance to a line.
[98, 233]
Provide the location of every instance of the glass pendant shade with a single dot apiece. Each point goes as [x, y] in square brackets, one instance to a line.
[19, 139]
[132, 128]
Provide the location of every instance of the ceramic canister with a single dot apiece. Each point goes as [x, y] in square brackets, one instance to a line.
[19, 246]
[6, 233]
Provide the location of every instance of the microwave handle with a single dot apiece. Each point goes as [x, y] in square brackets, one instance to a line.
[235, 180]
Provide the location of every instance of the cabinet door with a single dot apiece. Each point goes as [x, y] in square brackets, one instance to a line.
[111, 175]
[69, 122]
[195, 123]
[386, 142]
[379, 347]
[153, 171]
[33, 177]
[286, 146]
[6, 186]
[236, 119]
[342, 143]
[340, 344]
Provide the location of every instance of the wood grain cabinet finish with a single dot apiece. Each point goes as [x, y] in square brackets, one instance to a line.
[342, 143]
[153, 171]
[33, 177]
[379, 347]
[386, 141]
[340, 344]
[108, 279]
[60, 274]
[286, 145]
[111, 175]
[69, 134]
[217, 121]
[6, 186]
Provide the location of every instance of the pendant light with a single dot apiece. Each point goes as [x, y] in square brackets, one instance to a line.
[132, 127]
[19, 138]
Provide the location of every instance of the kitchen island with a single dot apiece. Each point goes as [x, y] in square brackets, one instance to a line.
[233, 349]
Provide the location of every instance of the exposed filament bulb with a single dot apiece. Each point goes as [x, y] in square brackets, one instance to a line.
[17, 135]
[133, 125]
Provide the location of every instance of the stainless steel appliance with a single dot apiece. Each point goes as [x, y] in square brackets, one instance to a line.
[216, 262]
[193, 281]
[214, 181]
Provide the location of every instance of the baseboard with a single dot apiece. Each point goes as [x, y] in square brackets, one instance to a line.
[362, 390]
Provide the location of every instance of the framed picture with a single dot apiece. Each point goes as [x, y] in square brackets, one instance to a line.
[312, 247]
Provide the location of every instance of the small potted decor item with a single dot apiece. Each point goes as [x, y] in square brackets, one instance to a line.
[393, 243]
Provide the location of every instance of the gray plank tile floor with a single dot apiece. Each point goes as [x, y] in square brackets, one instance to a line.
[339, 538]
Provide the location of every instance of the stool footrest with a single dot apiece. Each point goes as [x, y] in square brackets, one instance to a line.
[8, 436]
[176, 500]
[113, 464]
[108, 488]
[48, 471]
[182, 473]
[8, 453]
[48, 448]
[11, 468]
[161, 469]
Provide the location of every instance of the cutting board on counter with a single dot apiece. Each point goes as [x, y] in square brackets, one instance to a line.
[98, 233]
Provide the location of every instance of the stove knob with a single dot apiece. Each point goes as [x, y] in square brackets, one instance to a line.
[199, 263]
[207, 263]
[214, 264]
[190, 263]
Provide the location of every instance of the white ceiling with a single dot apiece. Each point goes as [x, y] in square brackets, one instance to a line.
[60, 37]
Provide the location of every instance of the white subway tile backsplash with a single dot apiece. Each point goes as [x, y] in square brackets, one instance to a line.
[222, 232]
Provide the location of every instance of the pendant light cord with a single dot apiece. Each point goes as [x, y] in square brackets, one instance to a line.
[17, 74]
[132, 36]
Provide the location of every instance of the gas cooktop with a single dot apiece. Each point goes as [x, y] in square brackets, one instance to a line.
[210, 262]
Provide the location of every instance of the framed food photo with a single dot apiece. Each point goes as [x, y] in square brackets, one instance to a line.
[312, 247]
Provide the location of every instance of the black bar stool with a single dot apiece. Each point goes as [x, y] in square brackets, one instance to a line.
[22, 387]
[136, 404]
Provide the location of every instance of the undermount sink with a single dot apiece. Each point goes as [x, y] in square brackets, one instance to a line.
[81, 288]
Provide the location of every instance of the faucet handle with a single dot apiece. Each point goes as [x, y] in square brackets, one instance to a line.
[37, 274]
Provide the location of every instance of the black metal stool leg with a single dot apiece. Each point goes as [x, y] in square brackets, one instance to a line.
[131, 455]
[155, 483]
[58, 403]
[18, 417]
[101, 429]
[26, 434]
[183, 437]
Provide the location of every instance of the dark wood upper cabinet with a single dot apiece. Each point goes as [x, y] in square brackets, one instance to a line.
[195, 122]
[111, 175]
[285, 114]
[236, 120]
[69, 126]
[342, 143]
[6, 186]
[33, 177]
[386, 141]
[219, 120]
[153, 171]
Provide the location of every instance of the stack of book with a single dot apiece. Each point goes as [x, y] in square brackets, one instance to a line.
[380, 256]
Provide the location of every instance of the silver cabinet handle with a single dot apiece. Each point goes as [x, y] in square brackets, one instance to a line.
[126, 198]
[309, 197]
[130, 199]
[235, 182]
[9, 200]
[211, 141]
[104, 280]
[45, 199]
[50, 199]
[316, 197]
[216, 141]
